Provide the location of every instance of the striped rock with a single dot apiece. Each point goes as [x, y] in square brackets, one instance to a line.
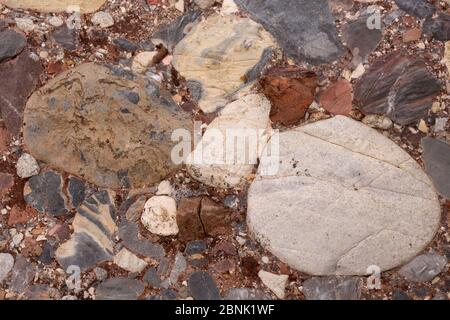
[94, 227]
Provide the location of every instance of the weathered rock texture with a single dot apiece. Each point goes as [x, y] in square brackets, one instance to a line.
[436, 156]
[244, 124]
[304, 29]
[85, 6]
[23, 76]
[291, 91]
[399, 86]
[112, 131]
[344, 198]
[93, 239]
[217, 54]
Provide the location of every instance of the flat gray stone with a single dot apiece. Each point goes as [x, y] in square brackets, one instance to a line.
[202, 286]
[246, 294]
[11, 44]
[436, 156]
[6, 264]
[119, 289]
[343, 198]
[304, 29]
[332, 288]
[424, 267]
[22, 275]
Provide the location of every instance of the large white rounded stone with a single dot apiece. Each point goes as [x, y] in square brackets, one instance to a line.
[345, 198]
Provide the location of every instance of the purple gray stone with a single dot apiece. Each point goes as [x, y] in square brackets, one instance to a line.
[11, 44]
[436, 156]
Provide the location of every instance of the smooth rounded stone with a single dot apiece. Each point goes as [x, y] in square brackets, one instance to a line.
[344, 198]
[424, 267]
[436, 156]
[152, 278]
[164, 188]
[129, 261]
[418, 8]
[195, 247]
[100, 124]
[27, 166]
[160, 216]
[179, 266]
[217, 54]
[6, 265]
[55, 21]
[12, 44]
[119, 289]
[246, 119]
[100, 273]
[275, 282]
[102, 19]
[202, 286]
[25, 24]
[84, 6]
[332, 288]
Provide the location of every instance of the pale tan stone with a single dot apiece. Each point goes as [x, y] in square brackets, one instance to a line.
[217, 53]
[86, 6]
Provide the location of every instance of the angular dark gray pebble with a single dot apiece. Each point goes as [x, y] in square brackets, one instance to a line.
[418, 8]
[119, 289]
[332, 288]
[11, 44]
[202, 286]
[304, 29]
[44, 193]
[436, 156]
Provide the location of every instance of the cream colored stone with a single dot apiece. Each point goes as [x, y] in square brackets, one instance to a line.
[344, 198]
[276, 283]
[85, 6]
[160, 216]
[217, 53]
[129, 261]
[142, 61]
[213, 161]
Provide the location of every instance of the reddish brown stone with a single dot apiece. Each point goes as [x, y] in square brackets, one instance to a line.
[4, 140]
[23, 75]
[337, 98]
[188, 219]
[413, 34]
[21, 216]
[215, 217]
[61, 232]
[224, 247]
[223, 266]
[291, 91]
[31, 248]
[249, 266]
[6, 183]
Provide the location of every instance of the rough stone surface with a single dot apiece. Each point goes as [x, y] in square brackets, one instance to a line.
[439, 27]
[22, 275]
[152, 278]
[129, 261]
[275, 282]
[291, 91]
[6, 183]
[102, 19]
[119, 289]
[23, 76]
[363, 201]
[304, 29]
[338, 98]
[160, 216]
[27, 166]
[44, 193]
[119, 133]
[361, 40]
[399, 86]
[419, 8]
[213, 162]
[6, 264]
[21, 216]
[331, 288]
[93, 239]
[171, 34]
[129, 234]
[217, 53]
[188, 219]
[215, 217]
[76, 190]
[424, 267]
[84, 6]
[436, 156]
[202, 286]
[66, 37]
[12, 44]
